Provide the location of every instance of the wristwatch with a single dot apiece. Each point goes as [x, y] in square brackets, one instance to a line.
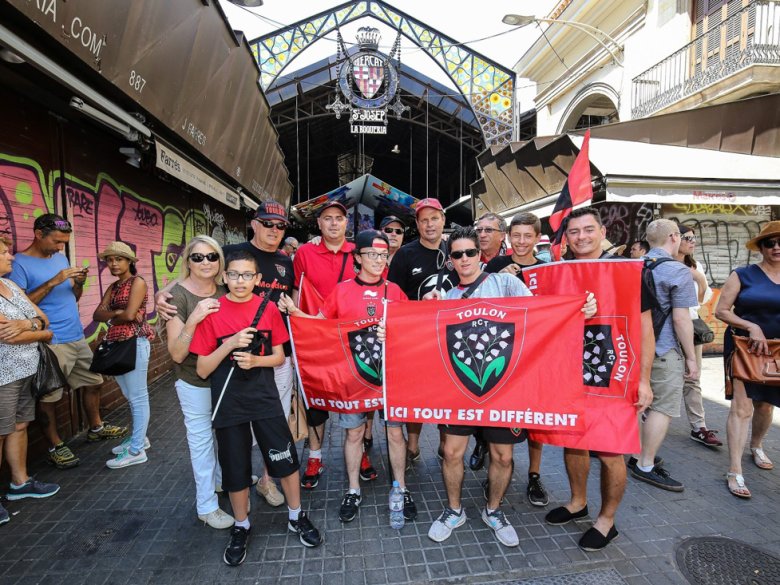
[34, 325]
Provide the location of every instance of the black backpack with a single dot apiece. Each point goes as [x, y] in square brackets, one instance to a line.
[648, 280]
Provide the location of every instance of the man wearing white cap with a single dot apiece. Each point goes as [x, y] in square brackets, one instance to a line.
[543, 249]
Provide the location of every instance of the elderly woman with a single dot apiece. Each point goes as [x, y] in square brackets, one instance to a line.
[123, 308]
[22, 326]
[195, 296]
[750, 304]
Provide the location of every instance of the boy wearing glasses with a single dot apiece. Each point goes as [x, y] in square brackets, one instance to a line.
[240, 358]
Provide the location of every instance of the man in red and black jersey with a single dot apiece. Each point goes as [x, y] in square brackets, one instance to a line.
[362, 298]
[323, 265]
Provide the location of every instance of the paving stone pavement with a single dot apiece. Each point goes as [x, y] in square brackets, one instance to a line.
[139, 525]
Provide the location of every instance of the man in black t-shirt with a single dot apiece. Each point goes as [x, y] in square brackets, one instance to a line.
[276, 270]
[585, 232]
[525, 229]
[420, 267]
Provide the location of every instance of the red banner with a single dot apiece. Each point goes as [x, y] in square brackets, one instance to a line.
[309, 299]
[611, 350]
[339, 363]
[505, 362]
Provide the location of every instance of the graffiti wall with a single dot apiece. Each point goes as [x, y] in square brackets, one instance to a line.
[104, 210]
[626, 222]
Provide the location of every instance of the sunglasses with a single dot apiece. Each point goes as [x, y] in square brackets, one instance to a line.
[197, 257]
[281, 226]
[470, 253]
[769, 244]
[59, 225]
[486, 230]
[689, 239]
[396, 231]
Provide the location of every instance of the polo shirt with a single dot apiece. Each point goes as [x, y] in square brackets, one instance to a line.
[355, 299]
[323, 268]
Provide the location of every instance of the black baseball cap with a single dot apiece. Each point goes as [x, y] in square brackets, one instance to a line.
[390, 219]
[330, 204]
[271, 210]
[365, 239]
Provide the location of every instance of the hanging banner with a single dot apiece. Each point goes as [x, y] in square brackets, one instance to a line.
[339, 363]
[611, 350]
[505, 362]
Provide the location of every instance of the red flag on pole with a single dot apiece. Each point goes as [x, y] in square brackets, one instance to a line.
[309, 299]
[576, 190]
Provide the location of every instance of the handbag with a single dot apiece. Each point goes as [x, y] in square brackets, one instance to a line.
[114, 358]
[296, 419]
[701, 332]
[49, 377]
[754, 368]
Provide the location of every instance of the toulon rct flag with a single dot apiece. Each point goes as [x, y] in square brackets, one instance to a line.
[610, 362]
[501, 362]
[339, 363]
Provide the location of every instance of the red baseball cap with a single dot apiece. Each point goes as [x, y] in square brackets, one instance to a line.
[332, 203]
[428, 202]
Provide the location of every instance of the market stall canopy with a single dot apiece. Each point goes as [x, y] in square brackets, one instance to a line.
[367, 192]
[729, 163]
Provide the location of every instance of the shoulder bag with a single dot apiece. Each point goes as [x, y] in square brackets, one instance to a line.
[114, 358]
[754, 368]
[701, 332]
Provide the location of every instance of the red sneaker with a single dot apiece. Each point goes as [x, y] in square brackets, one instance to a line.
[311, 477]
[706, 437]
[367, 471]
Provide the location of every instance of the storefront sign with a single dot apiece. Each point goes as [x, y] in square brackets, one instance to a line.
[177, 166]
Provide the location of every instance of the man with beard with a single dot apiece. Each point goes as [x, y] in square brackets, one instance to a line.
[585, 232]
[420, 267]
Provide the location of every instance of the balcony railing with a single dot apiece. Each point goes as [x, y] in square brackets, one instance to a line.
[749, 36]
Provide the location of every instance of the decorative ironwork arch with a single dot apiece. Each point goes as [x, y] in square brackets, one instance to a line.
[487, 86]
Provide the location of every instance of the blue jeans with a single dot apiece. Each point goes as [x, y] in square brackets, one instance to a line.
[196, 408]
[136, 391]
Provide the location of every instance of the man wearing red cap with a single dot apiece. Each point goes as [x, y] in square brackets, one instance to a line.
[420, 267]
[323, 265]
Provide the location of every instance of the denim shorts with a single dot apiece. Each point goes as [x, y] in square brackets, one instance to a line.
[354, 420]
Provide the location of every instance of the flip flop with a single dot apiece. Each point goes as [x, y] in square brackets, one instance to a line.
[741, 490]
[760, 458]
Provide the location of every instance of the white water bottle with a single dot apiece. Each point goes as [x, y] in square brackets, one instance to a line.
[396, 507]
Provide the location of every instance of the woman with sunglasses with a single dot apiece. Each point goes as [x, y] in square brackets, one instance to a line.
[750, 304]
[694, 406]
[195, 296]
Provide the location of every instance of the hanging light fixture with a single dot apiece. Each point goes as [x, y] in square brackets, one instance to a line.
[247, 3]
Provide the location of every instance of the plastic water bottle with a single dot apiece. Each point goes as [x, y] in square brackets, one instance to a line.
[396, 506]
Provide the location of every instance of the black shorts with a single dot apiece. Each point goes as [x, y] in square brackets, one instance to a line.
[498, 435]
[235, 451]
[316, 417]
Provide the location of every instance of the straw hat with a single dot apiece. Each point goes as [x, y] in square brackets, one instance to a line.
[770, 229]
[608, 246]
[118, 249]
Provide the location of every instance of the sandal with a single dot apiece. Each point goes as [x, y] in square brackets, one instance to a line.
[741, 490]
[760, 458]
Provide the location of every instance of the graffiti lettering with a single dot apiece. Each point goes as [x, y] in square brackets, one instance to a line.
[77, 199]
[213, 217]
[626, 222]
[718, 208]
[146, 217]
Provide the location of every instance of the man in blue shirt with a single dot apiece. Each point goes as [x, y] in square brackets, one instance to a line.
[45, 274]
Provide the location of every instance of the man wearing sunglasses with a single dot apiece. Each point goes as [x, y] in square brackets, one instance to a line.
[491, 229]
[276, 277]
[393, 228]
[45, 274]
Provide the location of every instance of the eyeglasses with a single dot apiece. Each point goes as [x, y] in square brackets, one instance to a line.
[375, 255]
[280, 225]
[233, 275]
[769, 244]
[396, 231]
[487, 230]
[197, 257]
[471, 252]
[689, 239]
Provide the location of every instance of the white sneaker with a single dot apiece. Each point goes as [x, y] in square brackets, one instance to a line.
[126, 443]
[270, 492]
[505, 532]
[125, 459]
[442, 527]
[218, 488]
[218, 519]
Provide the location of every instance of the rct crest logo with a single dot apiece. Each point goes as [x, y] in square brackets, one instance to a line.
[479, 346]
[608, 359]
[366, 353]
[597, 346]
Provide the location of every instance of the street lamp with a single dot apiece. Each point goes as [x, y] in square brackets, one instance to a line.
[603, 38]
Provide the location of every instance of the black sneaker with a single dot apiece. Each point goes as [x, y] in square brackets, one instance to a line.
[410, 508]
[535, 491]
[235, 553]
[632, 461]
[307, 534]
[32, 488]
[486, 491]
[658, 477]
[4, 516]
[349, 507]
